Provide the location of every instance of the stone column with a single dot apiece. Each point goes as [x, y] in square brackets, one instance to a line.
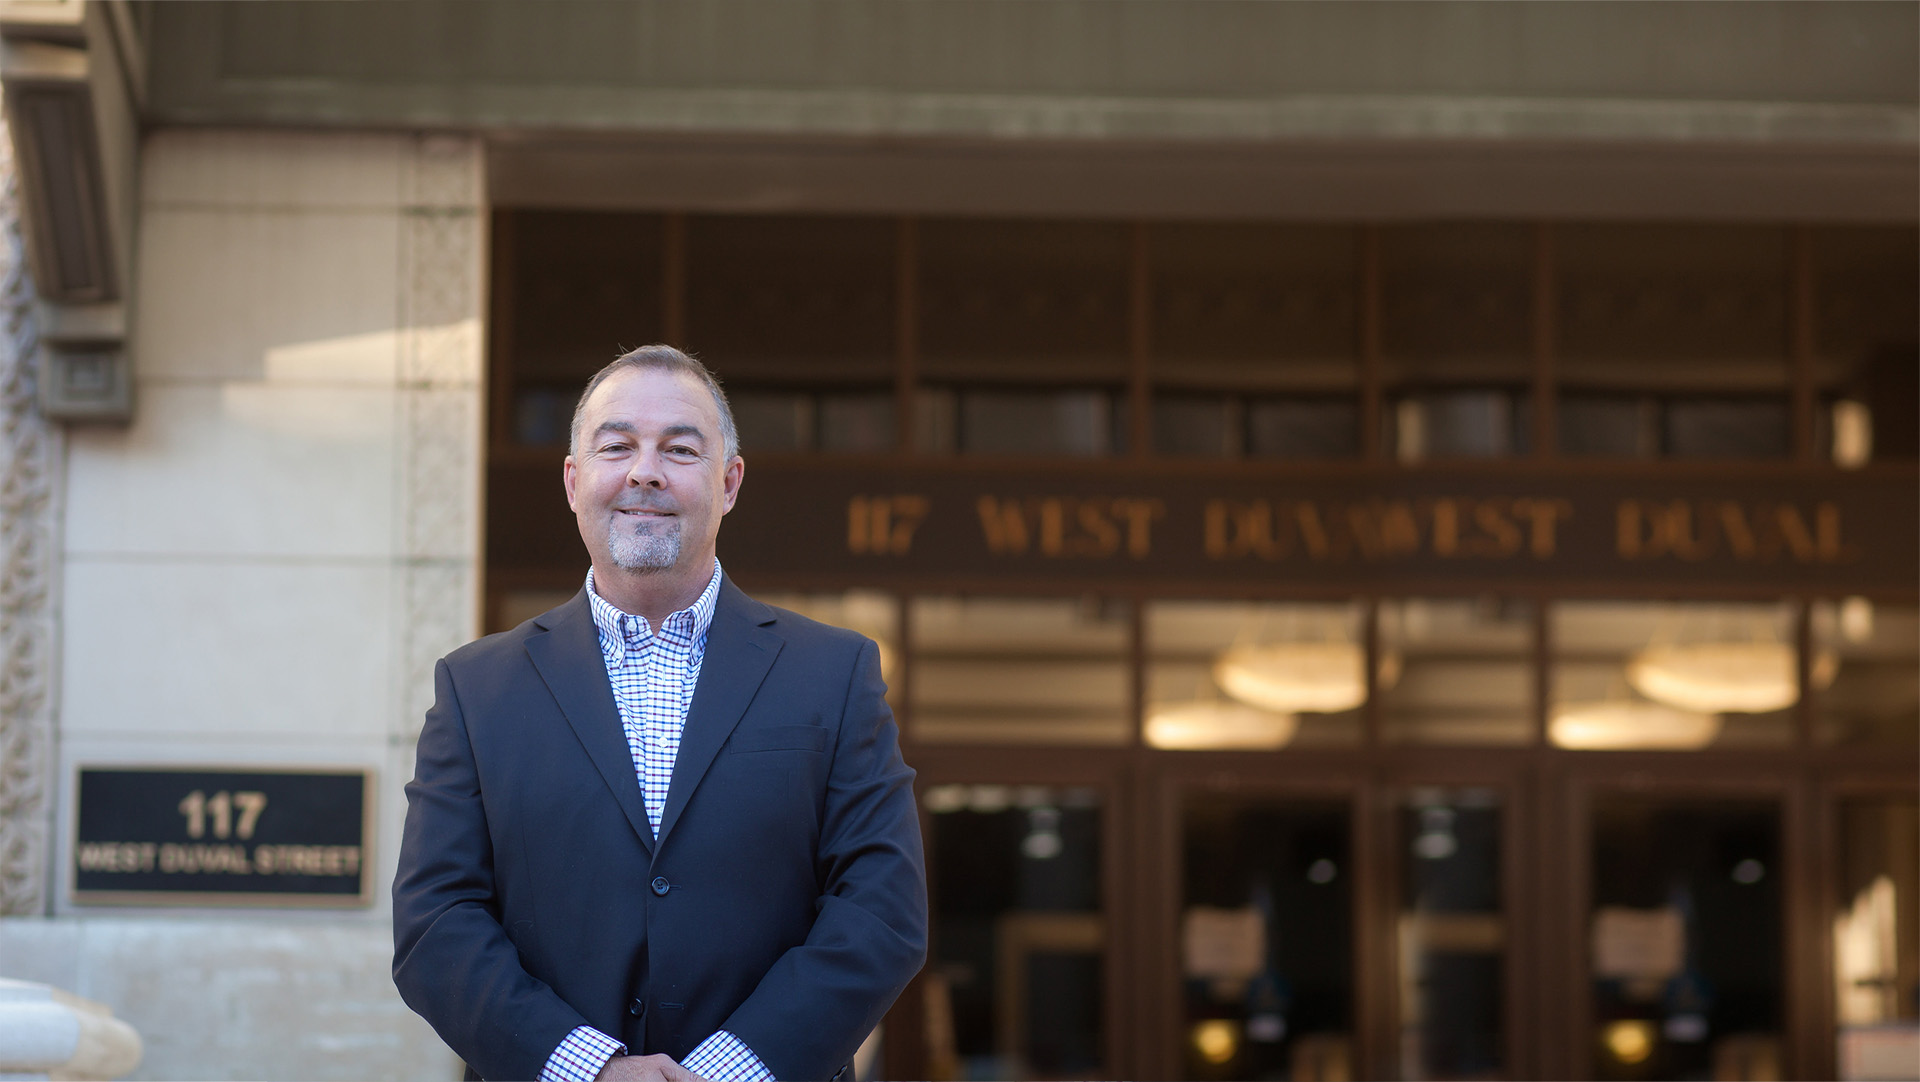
[438, 431]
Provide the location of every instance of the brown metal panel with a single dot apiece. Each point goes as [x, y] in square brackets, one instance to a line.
[1117, 902]
[673, 278]
[1803, 734]
[499, 390]
[1376, 1012]
[1801, 324]
[503, 291]
[1519, 831]
[1542, 670]
[1138, 658]
[1140, 345]
[1576, 1051]
[1134, 868]
[1680, 531]
[906, 286]
[1801, 1014]
[1546, 391]
[1372, 397]
[903, 694]
[1037, 765]
[1558, 881]
[1819, 1052]
[1370, 710]
[904, 1050]
[1164, 997]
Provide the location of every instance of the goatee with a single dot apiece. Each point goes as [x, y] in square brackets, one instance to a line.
[634, 551]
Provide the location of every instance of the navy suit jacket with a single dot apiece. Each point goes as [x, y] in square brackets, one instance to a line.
[783, 901]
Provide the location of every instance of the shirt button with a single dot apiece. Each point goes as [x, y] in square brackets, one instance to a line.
[660, 885]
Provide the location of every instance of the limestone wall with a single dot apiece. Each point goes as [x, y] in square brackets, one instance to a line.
[262, 568]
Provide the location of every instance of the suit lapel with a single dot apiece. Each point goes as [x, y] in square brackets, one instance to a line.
[568, 658]
[740, 650]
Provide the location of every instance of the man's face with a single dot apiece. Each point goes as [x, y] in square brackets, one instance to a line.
[649, 480]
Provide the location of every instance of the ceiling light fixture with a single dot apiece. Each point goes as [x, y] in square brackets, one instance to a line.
[1718, 677]
[1292, 677]
[1209, 726]
[1621, 725]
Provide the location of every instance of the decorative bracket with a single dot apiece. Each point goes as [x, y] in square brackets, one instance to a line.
[70, 74]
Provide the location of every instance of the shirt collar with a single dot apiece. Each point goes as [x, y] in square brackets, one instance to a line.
[617, 628]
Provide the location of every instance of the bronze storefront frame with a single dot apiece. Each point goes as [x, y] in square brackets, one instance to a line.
[1798, 530]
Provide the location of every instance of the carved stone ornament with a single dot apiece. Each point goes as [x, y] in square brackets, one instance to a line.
[30, 459]
[441, 282]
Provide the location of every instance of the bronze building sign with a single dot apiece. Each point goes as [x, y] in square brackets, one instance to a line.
[1358, 529]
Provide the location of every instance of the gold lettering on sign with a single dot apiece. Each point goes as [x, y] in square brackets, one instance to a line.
[884, 525]
[1004, 525]
[1632, 533]
[116, 856]
[1686, 541]
[1446, 528]
[307, 860]
[1826, 533]
[1067, 526]
[1499, 536]
[198, 808]
[1313, 532]
[1738, 532]
[1053, 527]
[197, 859]
[1140, 515]
[1699, 530]
[1793, 530]
[1386, 529]
[1544, 516]
[1373, 530]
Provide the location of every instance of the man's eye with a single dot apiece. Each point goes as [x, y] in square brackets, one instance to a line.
[613, 448]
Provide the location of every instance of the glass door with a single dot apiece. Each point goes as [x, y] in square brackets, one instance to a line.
[1685, 937]
[1876, 922]
[1264, 928]
[1016, 985]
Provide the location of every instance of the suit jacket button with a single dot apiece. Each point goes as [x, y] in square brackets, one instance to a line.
[660, 885]
[638, 1007]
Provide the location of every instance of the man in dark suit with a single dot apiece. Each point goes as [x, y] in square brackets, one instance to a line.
[662, 831]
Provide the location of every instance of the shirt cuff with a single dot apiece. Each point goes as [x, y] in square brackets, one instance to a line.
[726, 1058]
[581, 1056]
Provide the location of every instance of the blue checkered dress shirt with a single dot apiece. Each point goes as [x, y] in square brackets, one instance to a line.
[653, 672]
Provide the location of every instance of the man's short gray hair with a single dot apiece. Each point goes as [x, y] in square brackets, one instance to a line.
[660, 357]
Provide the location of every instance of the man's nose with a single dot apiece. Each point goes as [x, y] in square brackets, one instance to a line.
[646, 470]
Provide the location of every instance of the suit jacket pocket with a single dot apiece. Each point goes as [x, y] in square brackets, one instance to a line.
[779, 738]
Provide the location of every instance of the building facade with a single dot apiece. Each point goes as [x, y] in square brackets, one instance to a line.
[1392, 528]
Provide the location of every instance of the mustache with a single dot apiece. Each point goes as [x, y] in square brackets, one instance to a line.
[646, 505]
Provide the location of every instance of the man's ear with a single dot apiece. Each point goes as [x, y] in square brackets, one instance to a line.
[730, 482]
[566, 480]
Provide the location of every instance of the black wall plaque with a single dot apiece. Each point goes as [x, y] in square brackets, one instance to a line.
[221, 837]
